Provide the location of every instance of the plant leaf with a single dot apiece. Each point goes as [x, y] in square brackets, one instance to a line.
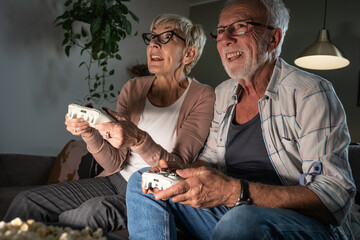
[82, 50]
[124, 9]
[67, 50]
[81, 64]
[83, 32]
[107, 33]
[95, 26]
[111, 73]
[65, 41]
[134, 16]
[102, 56]
[67, 3]
[58, 24]
[127, 26]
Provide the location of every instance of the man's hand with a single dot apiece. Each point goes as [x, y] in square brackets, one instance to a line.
[204, 187]
[162, 164]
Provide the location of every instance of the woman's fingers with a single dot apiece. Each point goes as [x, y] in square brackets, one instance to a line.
[114, 114]
[76, 126]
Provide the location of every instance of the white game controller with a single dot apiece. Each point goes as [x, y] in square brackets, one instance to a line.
[91, 115]
[161, 180]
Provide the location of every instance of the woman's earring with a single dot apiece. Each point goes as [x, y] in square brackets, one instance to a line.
[185, 62]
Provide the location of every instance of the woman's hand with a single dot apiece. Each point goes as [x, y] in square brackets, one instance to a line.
[122, 133]
[77, 126]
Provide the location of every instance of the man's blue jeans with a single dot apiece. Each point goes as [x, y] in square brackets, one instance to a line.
[155, 219]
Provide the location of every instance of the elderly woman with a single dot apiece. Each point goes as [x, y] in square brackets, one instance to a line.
[164, 116]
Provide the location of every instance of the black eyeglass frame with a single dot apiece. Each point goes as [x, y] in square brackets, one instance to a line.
[214, 36]
[153, 36]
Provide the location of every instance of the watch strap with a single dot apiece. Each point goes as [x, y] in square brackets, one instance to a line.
[244, 194]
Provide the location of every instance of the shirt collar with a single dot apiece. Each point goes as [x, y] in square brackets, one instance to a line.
[272, 89]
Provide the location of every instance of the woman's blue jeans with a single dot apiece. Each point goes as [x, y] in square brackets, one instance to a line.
[155, 219]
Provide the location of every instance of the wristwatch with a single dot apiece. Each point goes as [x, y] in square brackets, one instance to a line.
[244, 194]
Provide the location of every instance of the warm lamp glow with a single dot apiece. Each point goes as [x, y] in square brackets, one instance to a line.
[322, 54]
[322, 62]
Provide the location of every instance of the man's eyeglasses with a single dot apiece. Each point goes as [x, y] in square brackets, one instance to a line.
[237, 28]
[163, 37]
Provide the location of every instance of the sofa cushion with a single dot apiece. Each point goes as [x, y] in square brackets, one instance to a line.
[24, 170]
[7, 194]
[74, 162]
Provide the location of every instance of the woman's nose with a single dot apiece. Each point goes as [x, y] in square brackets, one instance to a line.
[154, 43]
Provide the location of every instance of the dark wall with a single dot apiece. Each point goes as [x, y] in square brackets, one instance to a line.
[209, 69]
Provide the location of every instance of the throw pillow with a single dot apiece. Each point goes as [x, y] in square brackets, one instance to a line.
[74, 162]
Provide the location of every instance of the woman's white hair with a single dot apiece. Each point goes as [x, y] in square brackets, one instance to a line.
[193, 33]
[278, 16]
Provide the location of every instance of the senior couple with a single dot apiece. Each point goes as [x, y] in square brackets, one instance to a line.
[268, 168]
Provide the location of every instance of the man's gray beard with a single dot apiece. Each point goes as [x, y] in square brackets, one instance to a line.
[238, 73]
[248, 70]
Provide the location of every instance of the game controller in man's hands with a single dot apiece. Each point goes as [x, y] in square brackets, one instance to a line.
[161, 180]
[91, 115]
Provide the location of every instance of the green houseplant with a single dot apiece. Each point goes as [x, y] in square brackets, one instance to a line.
[96, 27]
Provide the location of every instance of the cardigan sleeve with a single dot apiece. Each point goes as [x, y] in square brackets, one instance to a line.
[109, 157]
[193, 128]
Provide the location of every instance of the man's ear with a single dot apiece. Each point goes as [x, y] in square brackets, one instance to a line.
[275, 38]
[189, 55]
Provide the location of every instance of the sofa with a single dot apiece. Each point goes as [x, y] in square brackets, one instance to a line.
[19, 172]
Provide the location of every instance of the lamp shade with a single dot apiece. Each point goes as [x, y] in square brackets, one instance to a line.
[322, 55]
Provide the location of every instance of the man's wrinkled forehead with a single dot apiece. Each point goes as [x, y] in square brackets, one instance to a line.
[243, 10]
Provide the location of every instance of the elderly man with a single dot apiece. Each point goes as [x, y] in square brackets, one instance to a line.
[276, 157]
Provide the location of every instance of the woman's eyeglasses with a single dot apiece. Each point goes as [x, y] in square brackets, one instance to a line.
[163, 37]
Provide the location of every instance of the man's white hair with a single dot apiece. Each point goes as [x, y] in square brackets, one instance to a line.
[278, 16]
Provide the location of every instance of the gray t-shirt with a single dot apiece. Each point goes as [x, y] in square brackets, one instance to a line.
[246, 156]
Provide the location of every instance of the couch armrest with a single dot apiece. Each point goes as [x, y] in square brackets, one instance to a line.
[354, 160]
[24, 170]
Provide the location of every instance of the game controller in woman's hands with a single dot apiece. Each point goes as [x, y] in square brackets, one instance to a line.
[91, 115]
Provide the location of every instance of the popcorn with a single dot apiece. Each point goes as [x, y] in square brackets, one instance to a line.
[31, 230]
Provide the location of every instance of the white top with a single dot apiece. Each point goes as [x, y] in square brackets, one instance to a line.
[160, 124]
